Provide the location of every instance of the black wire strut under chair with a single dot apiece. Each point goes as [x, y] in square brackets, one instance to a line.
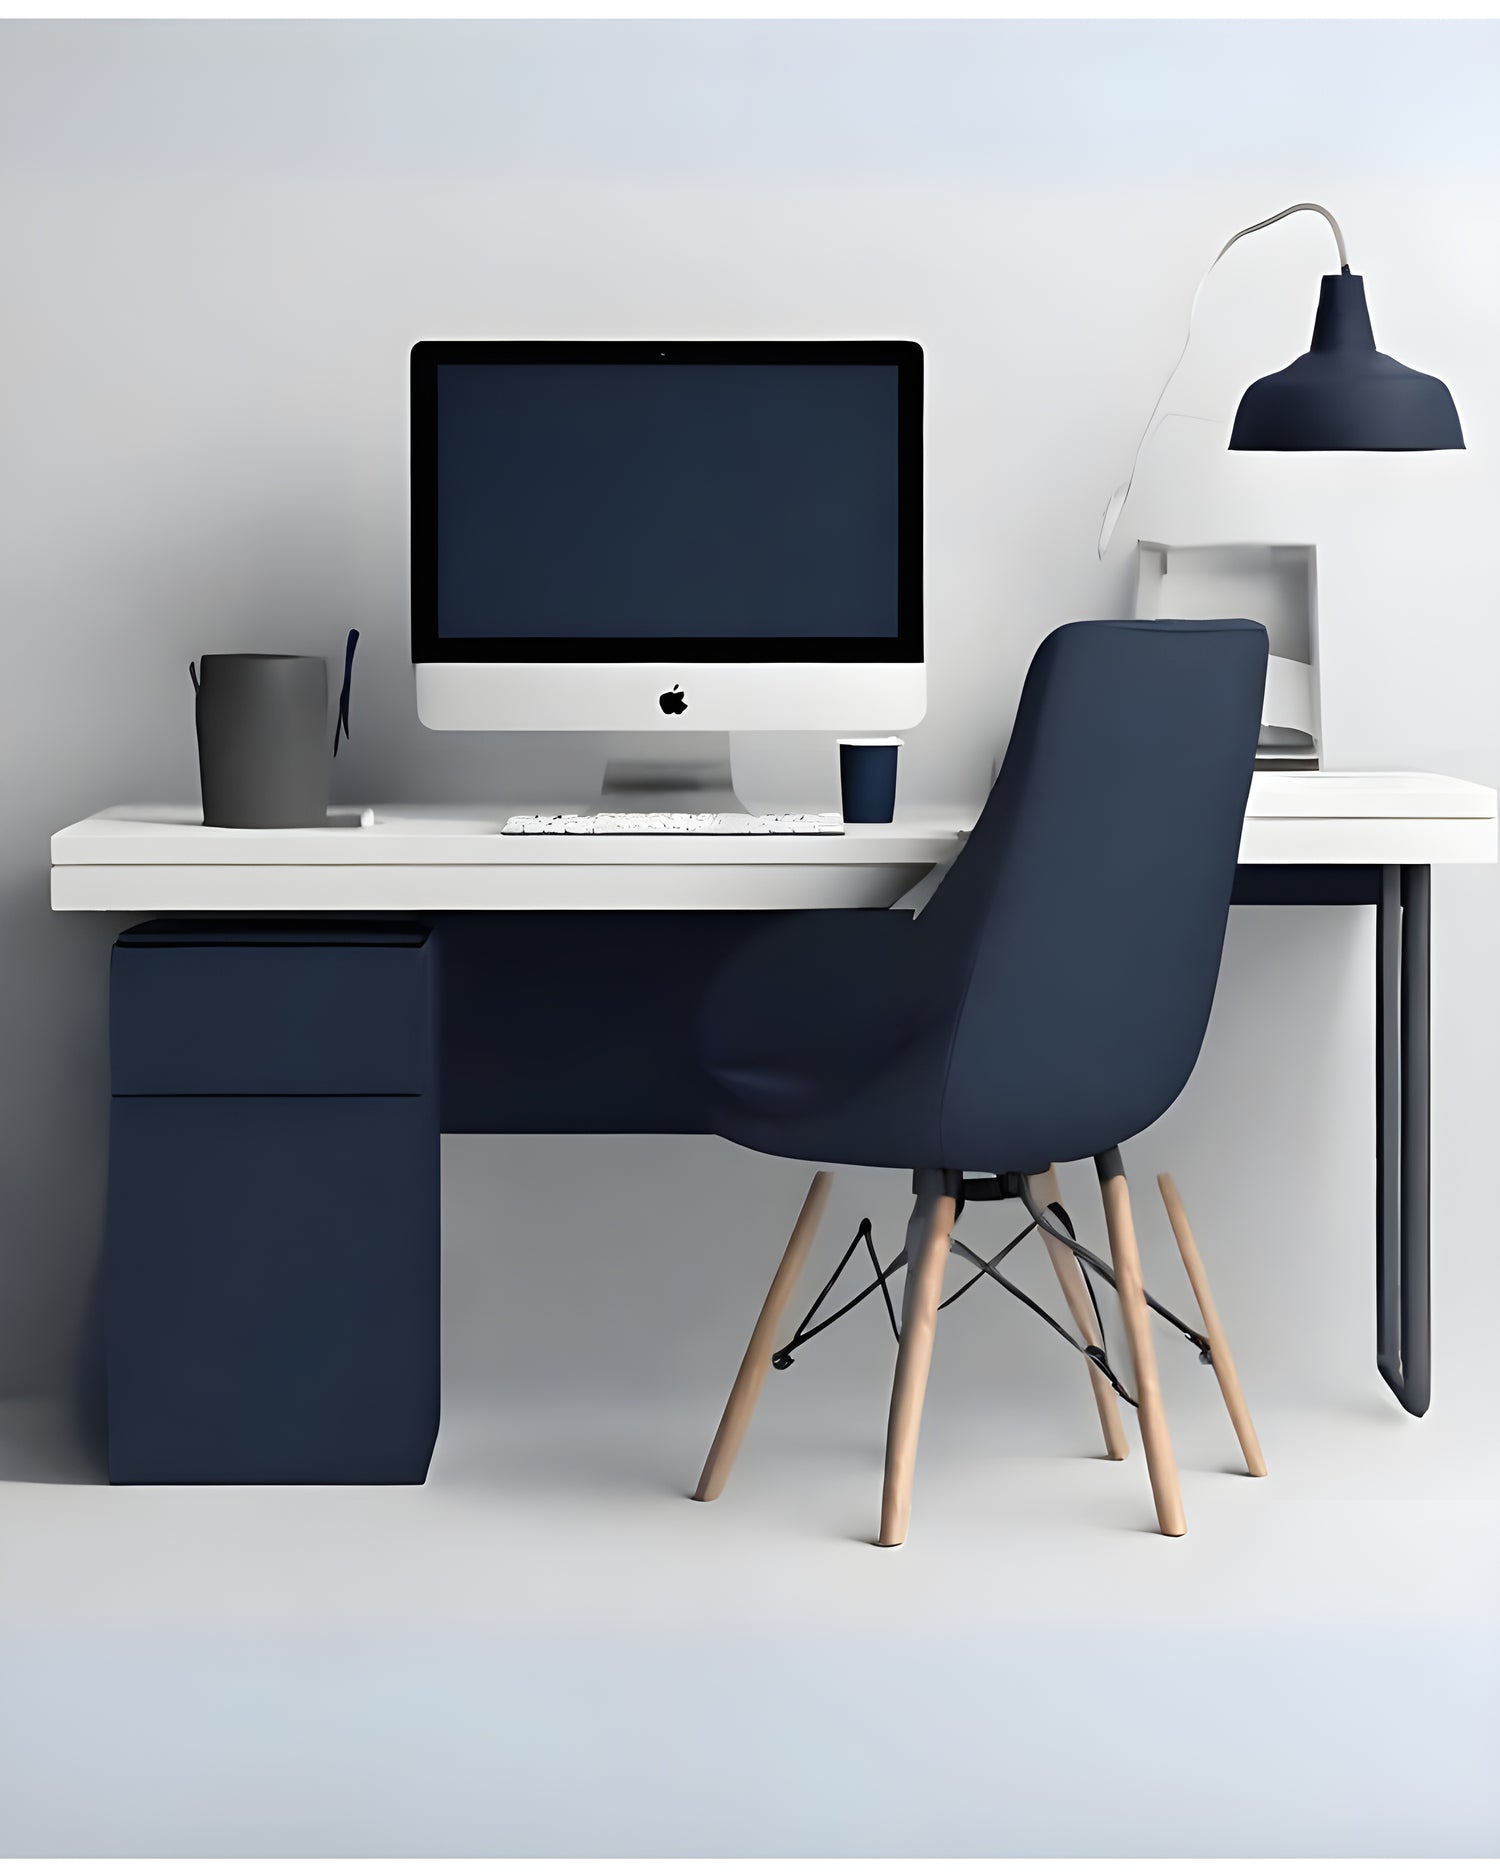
[1058, 1225]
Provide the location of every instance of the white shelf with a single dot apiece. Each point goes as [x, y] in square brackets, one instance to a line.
[1349, 796]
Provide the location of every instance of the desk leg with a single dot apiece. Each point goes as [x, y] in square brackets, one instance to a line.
[1403, 1087]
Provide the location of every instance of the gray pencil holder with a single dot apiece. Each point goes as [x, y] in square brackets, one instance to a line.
[263, 752]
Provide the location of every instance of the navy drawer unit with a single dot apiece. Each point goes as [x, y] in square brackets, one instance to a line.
[272, 1245]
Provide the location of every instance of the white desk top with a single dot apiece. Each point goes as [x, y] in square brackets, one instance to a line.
[163, 859]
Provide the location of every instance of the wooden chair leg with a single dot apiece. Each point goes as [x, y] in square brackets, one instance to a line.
[753, 1368]
[1218, 1342]
[1126, 1258]
[924, 1290]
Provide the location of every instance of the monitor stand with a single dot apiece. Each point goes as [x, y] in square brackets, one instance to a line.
[667, 774]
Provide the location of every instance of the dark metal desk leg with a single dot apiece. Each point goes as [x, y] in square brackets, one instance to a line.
[1403, 1073]
[1416, 1136]
[1388, 1128]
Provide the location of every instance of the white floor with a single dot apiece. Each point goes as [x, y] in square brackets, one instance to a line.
[550, 1650]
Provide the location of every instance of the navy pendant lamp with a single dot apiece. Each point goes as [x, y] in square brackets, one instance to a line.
[1341, 394]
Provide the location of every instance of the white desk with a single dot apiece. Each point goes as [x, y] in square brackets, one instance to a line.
[1308, 839]
[162, 859]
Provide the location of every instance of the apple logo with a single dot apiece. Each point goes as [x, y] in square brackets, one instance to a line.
[672, 701]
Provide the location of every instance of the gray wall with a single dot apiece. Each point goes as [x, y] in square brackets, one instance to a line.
[220, 241]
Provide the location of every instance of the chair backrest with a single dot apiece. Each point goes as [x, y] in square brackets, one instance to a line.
[1081, 927]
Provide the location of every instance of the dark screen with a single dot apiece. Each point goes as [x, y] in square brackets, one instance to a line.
[671, 500]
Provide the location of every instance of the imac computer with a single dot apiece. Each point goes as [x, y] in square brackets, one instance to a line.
[673, 536]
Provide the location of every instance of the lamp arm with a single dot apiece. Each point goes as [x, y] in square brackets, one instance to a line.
[1118, 499]
[1297, 208]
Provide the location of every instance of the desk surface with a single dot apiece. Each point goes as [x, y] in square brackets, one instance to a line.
[162, 859]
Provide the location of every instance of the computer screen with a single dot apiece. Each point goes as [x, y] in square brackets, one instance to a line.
[639, 501]
[615, 501]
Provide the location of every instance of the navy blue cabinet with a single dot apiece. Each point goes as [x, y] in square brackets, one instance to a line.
[272, 1243]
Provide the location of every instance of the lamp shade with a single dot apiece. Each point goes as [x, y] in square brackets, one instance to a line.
[1343, 394]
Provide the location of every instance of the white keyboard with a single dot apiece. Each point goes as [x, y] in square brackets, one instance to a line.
[674, 823]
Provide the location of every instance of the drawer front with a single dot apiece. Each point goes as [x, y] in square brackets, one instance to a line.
[271, 1290]
[283, 1018]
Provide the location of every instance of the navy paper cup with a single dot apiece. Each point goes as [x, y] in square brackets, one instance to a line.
[867, 778]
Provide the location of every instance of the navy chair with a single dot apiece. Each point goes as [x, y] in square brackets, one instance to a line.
[1047, 1004]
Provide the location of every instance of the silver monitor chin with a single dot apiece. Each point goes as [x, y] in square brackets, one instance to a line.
[682, 697]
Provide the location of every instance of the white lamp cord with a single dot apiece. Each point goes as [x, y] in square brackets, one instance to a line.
[1118, 499]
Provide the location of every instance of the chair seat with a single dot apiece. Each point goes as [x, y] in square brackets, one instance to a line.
[810, 1009]
[824, 1040]
[818, 1041]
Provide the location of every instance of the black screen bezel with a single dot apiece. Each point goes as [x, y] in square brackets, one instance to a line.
[429, 648]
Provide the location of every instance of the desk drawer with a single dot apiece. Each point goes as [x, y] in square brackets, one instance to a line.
[260, 1009]
[271, 1303]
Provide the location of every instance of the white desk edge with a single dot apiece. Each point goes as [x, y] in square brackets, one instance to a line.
[162, 859]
